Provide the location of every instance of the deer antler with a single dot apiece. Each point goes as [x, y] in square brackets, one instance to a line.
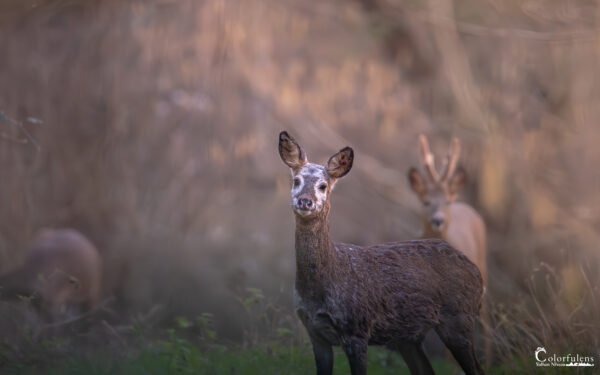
[451, 160]
[427, 159]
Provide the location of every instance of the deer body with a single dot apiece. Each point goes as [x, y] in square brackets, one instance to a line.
[62, 272]
[390, 294]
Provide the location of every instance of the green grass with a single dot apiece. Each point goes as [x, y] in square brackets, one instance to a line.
[177, 355]
[253, 361]
[274, 343]
[184, 358]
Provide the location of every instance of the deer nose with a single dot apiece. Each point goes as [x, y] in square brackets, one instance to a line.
[437, 222]
[305, 203]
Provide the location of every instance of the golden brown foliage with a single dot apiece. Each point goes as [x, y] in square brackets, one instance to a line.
[151, 126]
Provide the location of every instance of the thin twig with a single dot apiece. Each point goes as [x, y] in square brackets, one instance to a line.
[113, 332]
[19, 125]
[13, 139]
[79, 317]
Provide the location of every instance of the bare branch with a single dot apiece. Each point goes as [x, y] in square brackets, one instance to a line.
[19, 125]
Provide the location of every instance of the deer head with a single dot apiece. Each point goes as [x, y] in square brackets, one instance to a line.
[312, 183]
[437, 190]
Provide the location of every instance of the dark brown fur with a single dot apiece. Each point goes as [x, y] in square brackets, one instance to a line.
[62, 272]
[390, 294]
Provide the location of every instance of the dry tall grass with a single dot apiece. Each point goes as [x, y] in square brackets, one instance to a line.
[151, 127]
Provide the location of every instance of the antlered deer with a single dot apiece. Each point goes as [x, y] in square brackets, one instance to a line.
[62, 272]
[443, 217]
[390, 294]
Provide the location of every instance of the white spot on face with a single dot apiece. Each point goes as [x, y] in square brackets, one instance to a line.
[297, 184]
[314, 170]
[320, 194]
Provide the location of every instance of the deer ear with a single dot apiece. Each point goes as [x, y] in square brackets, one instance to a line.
[290, 151]
[457, 180]
[417, 182]
[340, 164]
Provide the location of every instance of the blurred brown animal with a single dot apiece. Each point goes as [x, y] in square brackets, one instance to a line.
[443, 217]
[61, 274]
[390, 294]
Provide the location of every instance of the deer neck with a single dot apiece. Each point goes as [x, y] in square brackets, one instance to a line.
[315, 257]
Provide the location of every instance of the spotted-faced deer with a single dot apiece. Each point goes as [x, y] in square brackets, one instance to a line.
[443, 217]
[62, 273]
[390, 294]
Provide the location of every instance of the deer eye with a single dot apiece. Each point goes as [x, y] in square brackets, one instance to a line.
[323, 187]
[296, 182]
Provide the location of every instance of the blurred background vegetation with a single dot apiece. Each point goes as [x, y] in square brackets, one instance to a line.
[151, 126]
